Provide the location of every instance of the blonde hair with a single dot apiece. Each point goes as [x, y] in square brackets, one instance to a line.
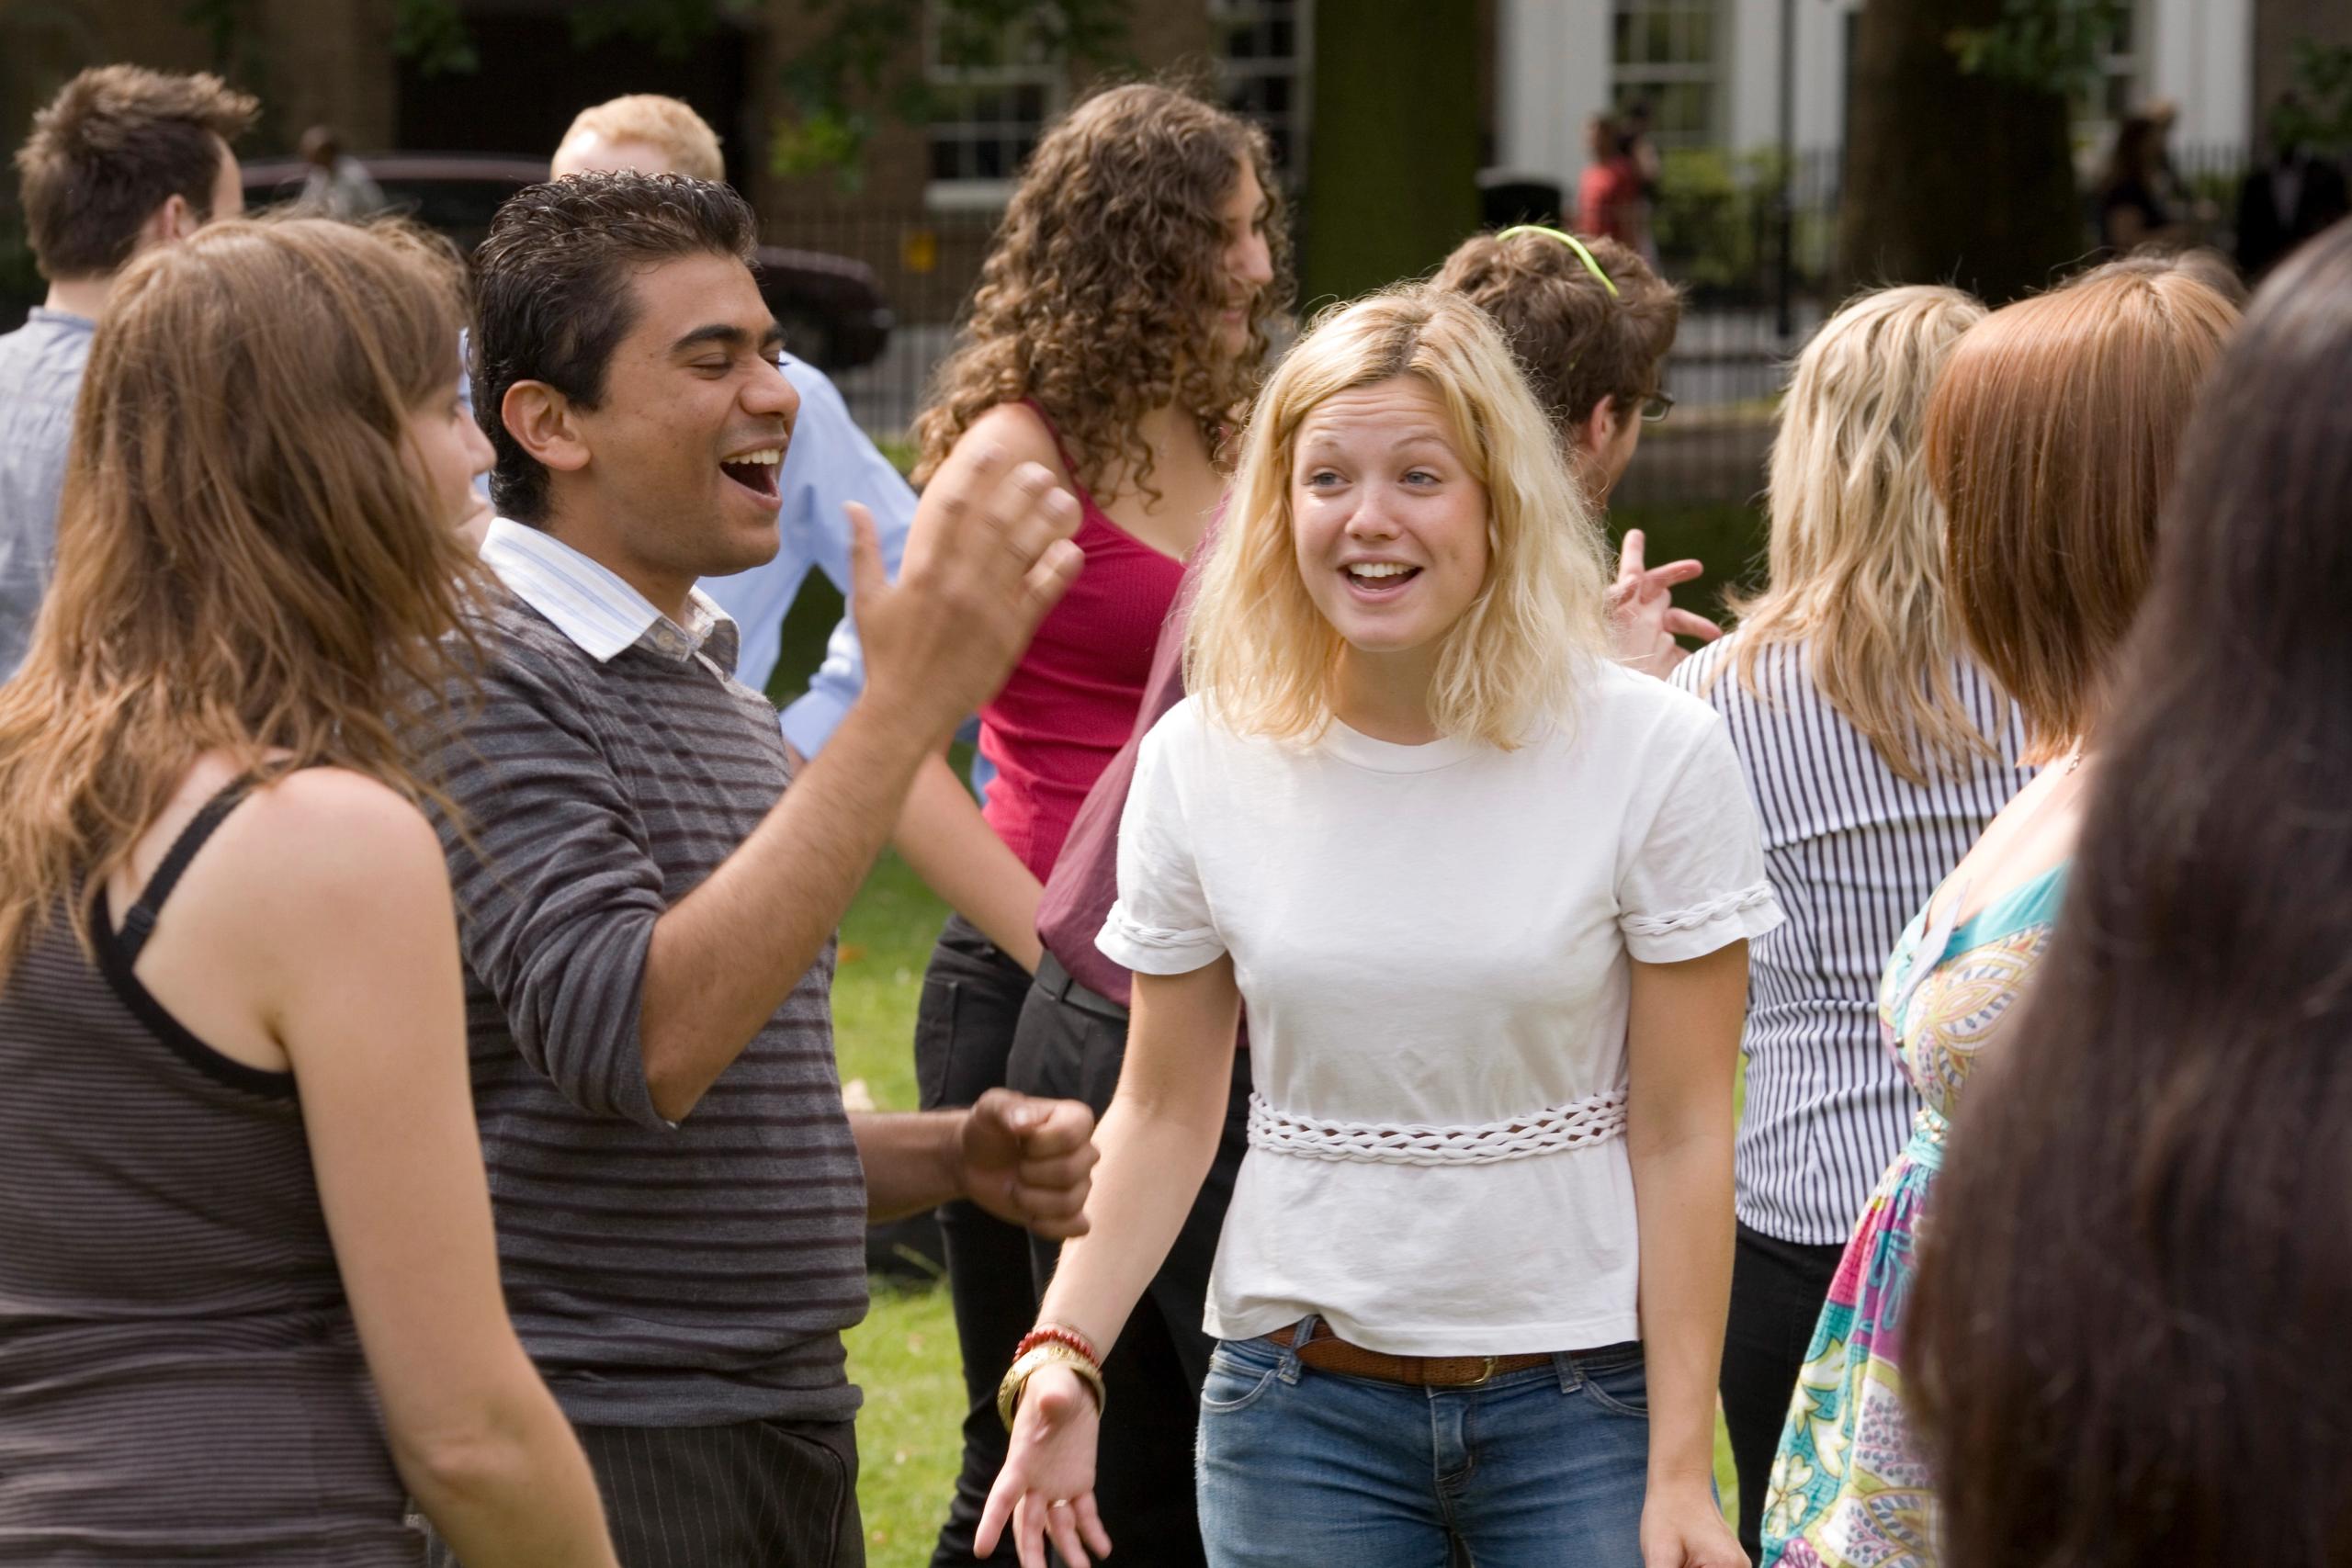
[666, 124]
[1516, 659]
[2051, 437]
[248, 557]
[1857, 552]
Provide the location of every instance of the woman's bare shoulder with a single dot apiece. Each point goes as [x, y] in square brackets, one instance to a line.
[1016, 428]
[333, 838]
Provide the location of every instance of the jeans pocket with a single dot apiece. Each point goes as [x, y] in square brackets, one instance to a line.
[1618, 1384]
[935, 1040]
[1236, 1381]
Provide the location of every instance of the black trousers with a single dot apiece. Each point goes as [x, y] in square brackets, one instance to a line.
[971, 999]
[1071, 1044]
[1777, 1290]
[748, 1495]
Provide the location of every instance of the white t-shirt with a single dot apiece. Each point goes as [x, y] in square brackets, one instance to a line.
[1432, 943]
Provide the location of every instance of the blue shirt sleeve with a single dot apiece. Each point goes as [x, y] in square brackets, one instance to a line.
[829, 463]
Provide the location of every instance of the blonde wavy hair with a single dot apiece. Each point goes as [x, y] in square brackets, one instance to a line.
[248, 557]
[1516, 660]
[1856, 561]
[1099, 299]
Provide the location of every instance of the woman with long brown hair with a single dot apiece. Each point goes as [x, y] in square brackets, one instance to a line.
[2132, 1308]
[239, 1175]
[2050, 441]
[1116, 334]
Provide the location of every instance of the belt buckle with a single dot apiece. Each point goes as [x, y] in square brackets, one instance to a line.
[1486, 1374]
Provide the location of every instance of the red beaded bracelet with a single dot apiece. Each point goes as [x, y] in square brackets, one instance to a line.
[1055, 1334]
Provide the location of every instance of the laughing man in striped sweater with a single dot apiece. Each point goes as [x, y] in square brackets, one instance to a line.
[647, 914]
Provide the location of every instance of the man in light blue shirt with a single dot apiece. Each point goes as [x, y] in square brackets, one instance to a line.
[121, 160]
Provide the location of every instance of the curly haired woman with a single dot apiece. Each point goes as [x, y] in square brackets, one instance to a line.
[1117, 331]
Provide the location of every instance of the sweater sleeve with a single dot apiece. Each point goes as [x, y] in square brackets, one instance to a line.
[556, 887]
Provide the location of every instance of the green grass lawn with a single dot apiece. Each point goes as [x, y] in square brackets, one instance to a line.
[904, 1355]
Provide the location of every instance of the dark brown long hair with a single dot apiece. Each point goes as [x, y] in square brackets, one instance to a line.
[2131, 1312]
[1099, 298]
[247, 558]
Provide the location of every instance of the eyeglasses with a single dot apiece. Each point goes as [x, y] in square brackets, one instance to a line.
[1655, 407]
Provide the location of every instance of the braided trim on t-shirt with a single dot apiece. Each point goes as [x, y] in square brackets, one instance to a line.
[1700, 914]
[1580, 1124]
[1159, 936]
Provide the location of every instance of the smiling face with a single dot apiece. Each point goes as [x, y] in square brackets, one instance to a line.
[1246, 261]
[1389, 525]
[681, 453]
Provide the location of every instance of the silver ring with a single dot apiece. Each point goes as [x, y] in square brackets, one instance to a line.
[1058, 1503]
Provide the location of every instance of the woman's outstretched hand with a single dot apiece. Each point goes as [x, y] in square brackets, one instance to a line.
[1047, 1488]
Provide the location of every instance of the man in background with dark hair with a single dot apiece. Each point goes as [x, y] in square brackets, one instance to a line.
[646, 910]
[121, 160]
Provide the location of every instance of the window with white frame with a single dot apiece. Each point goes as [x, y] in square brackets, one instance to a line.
[992, 90]
[1668, 54]
[1263, 48]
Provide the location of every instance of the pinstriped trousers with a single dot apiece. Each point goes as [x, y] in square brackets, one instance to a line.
[752, 1495]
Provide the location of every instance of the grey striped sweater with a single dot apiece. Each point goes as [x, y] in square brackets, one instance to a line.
[660, 1275]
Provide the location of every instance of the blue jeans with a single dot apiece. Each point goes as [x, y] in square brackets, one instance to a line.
[1304, 1469]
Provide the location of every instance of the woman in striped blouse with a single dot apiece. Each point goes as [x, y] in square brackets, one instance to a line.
[1876, 751]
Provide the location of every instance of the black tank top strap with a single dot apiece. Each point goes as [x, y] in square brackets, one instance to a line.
[139, 923]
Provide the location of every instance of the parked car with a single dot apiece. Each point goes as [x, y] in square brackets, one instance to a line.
[830, 307]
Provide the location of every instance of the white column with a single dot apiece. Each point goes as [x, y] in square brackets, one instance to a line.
[1752, 69]
[1749, 35]
[1821, 73]
[1551, 76]
[2199, 53]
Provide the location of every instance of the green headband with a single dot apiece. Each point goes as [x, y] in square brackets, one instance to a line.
[1573, 244]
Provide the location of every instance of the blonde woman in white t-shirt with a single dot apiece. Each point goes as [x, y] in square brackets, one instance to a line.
[1486, 897]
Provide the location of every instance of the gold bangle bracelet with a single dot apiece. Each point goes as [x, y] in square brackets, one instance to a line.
[1052, 1353]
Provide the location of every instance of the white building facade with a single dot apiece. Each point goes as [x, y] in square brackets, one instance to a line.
[1710, 71]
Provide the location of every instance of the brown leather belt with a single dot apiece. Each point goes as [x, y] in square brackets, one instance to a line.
[1326, 1353]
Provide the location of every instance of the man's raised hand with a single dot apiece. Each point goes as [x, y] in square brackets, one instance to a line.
[990, 555]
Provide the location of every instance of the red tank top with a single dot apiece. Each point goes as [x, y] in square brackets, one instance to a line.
[1071, 704]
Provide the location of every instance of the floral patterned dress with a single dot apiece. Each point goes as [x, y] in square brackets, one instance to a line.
[1849, 1488]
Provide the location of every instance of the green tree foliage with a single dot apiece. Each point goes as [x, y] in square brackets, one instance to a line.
[2319, 113]
[431, 35]
[859, 64]
[856, 64]
[2051, 46]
